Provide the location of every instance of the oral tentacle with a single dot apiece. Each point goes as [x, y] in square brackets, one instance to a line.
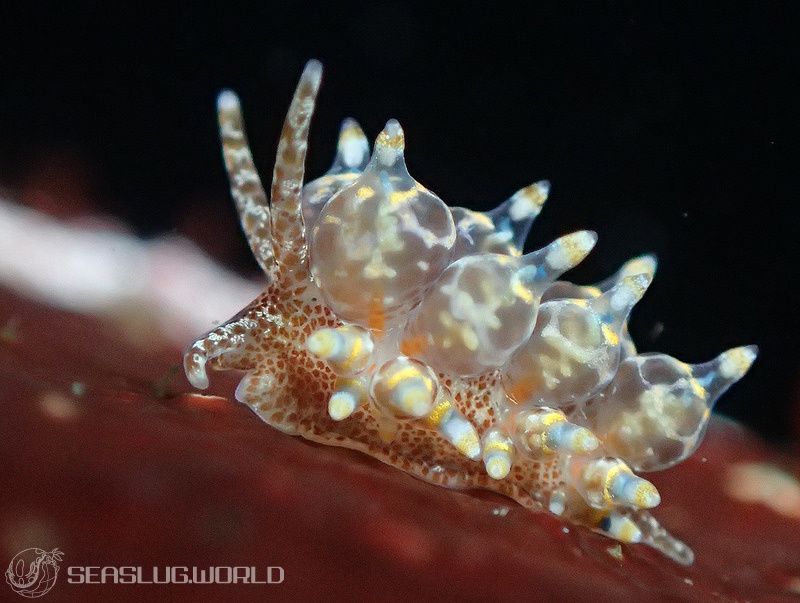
[224, 346]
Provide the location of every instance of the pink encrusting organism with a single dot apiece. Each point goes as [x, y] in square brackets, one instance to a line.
[422, 336]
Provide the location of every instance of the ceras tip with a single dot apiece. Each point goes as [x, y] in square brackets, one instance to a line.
[347, 349]
[608, 482]
[717, 375]
[390, 144]
[735, 363]
[527, 203]
[616, 304]
[636, 492]
[352, 148]
[568, 251]
[643, 264]
[545, 431]
[620, 527]
[454, 427]
[348, 395]
[498, 453]
[405, 387]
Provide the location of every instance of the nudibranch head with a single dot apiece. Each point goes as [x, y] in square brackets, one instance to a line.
[422, 335]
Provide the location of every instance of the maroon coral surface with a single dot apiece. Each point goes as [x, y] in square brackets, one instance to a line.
[110, 456]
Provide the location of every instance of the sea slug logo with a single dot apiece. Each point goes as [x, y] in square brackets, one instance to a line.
[33, 572]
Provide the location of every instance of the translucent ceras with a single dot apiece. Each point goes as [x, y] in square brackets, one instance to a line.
[421, 335]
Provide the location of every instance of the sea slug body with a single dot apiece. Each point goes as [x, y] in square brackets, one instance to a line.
[421, 335]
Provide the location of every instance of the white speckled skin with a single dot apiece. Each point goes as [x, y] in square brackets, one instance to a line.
[421, 335]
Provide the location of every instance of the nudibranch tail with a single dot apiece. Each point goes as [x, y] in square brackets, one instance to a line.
[422, 336]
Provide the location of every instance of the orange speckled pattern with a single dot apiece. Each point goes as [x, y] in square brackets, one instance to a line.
[298, 387]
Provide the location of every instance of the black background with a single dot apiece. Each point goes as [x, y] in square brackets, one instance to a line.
[665, 127]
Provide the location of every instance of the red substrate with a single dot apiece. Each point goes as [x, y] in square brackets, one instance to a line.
[109, 456]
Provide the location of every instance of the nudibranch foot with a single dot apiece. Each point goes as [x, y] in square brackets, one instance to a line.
[421, 335]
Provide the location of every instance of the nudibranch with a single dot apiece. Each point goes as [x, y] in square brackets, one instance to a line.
[421, 335]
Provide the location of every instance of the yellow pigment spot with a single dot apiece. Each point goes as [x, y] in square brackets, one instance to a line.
[610, 335]
[365, 192]
[408, 372]
[439, 412]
